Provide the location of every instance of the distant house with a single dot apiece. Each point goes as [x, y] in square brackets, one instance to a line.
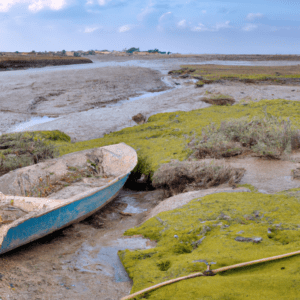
[102, 52]
[69, 53]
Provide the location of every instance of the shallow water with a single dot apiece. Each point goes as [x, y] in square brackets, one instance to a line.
[132, 205]
[23, 126]
[104, 260]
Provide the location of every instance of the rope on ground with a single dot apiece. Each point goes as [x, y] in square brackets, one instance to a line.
[210, 273]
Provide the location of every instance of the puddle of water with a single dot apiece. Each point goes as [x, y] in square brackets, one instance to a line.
[23, 126]
[132, 206]
[268, 176]
[105, 260]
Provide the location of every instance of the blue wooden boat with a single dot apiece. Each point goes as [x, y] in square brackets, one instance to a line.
[36, 217]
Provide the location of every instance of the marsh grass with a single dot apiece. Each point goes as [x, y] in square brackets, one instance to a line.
[267, 137]
[31, 58]
[181, 176]
[199, 83]
[247, 74]
[19, 150]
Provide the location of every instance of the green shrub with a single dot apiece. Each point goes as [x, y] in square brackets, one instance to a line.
[269, 136]
[19, 150]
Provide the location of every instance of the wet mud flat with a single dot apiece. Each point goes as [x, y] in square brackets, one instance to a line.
[60, 93]
[21, 63]
[80, 261]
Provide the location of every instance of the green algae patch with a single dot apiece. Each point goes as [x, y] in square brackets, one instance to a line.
[209, 228]
[165, 135]
[252, 188]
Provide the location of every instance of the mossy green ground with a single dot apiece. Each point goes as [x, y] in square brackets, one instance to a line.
[165, 136]
[251, 215]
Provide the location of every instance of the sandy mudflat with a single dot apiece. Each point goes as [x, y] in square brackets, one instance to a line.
[97, 122]
[60, 93]
[82, 98]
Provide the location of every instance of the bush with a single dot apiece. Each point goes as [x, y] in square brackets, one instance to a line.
[19, 150]
[218, 99]
[76, 54]
[199, 83]
[268, 137]
[177, 177]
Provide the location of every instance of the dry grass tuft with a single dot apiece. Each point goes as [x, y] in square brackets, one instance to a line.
[267, 137]
[19, 150]
[182, 176]
[219, 99]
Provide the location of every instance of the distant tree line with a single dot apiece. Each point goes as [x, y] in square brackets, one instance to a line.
[133, 49]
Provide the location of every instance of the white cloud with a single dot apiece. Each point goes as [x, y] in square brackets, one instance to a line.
[200, 27]
[252, 16]
[52, 4]
[90, 29]
[146, 11]
[181, 24]
[222, 25]
[34, 5]
[249, 27]
[217, 27]
[125, 28]
[204, 11]
[6, 5]
[165, 14]
[89, 2]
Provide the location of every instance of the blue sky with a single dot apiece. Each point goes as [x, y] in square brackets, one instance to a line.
[187, 26]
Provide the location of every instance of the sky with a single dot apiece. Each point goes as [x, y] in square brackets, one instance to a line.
[187, 26]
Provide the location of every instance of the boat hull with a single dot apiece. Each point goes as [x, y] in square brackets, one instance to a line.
[35, 228]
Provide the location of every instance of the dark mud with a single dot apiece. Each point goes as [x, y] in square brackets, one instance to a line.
[80, 261]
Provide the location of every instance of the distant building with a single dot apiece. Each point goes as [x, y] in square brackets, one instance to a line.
[102, 52]
[69, 53]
